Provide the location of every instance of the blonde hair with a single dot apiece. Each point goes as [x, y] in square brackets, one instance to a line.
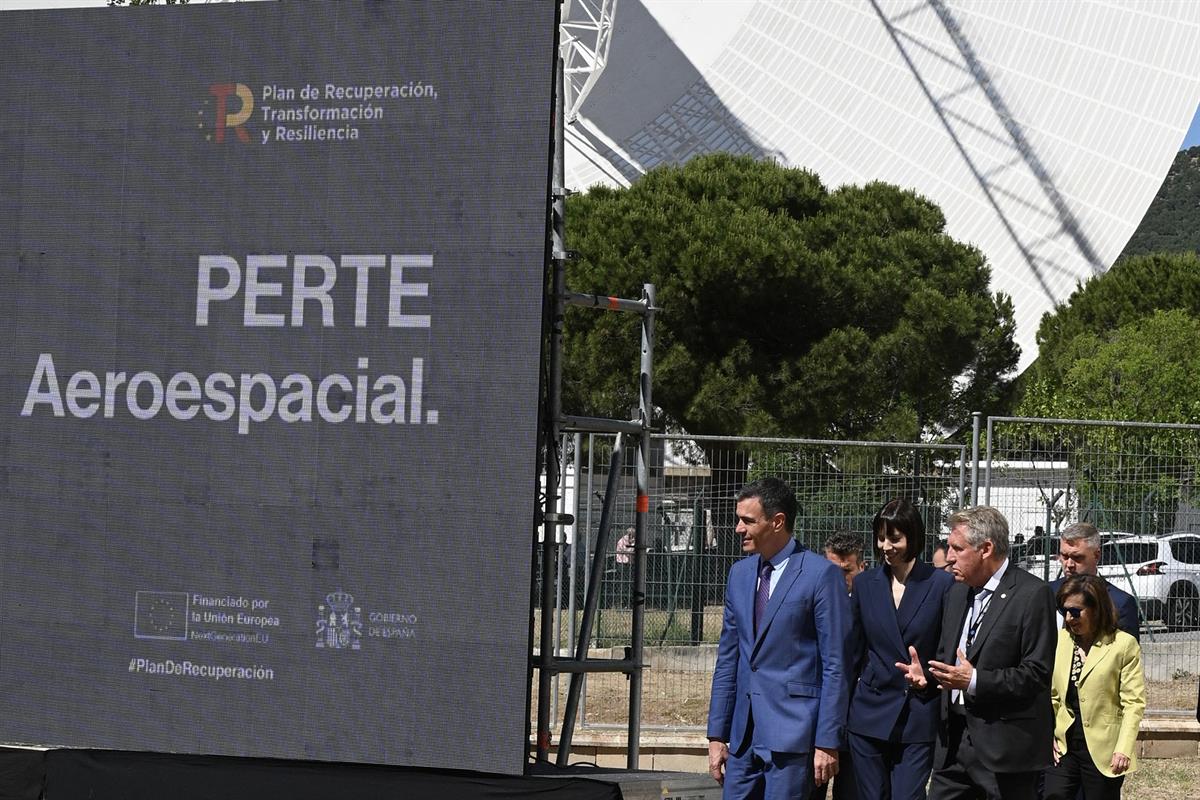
[983, 524]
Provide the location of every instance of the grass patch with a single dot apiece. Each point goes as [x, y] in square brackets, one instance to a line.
[1164, 779]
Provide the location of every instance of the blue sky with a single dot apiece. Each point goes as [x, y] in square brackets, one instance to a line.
[1193, 135]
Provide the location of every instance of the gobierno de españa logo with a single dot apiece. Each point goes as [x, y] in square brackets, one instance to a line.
[324, 112]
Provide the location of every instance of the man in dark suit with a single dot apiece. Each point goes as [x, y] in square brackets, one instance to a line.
[1079, 553]
[845, 551]
[779, 692]
[938, 560]
[995, 657]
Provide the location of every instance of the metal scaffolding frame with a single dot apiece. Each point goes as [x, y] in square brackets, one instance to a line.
[586, 32]
[555, 424]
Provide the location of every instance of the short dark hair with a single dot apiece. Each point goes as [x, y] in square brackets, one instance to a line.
[942, 545]
[775, 496]
[845, 544]
[1094, 590]
[900, 515]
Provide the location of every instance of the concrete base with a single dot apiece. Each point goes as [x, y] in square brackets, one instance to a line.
[645, 785]
[678, 751]
[1169, 737]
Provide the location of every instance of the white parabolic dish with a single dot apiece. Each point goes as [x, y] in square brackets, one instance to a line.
[1043, 130]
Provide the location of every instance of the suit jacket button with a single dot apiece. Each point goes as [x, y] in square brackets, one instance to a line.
[753, 668]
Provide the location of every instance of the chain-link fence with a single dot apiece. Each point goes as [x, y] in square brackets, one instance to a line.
[1133, 481]
[692, 543]
[1137, 483]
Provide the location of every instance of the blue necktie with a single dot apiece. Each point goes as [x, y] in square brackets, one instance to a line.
[764, 592]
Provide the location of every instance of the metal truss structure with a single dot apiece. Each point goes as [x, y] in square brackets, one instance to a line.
[586, 33]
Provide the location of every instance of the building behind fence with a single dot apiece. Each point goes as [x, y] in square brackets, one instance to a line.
[1134, 481]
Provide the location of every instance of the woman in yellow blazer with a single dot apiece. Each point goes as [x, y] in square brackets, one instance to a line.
[1098, 692]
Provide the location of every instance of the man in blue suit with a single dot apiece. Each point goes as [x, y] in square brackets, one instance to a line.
[779, 693]
[1079, 553]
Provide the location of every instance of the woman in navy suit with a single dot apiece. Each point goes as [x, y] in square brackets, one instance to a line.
[897, 613]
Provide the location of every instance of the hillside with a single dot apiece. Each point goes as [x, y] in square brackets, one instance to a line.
[1172, 222]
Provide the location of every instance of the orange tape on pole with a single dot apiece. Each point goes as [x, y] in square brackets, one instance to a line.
[643, 503]
[612, 303]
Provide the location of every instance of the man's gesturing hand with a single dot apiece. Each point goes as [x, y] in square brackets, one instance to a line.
[951, 676]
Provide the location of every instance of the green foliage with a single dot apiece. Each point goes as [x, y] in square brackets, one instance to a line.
[1172, 223]
[846, 504]
[1125, 347]
[1144, 370]
[787, 309]
[1132, 290]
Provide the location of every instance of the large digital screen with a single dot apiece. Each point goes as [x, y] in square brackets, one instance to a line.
[270, 303]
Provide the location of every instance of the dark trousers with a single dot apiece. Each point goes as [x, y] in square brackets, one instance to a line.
[959, 775]
[1076, 771]
[843, 782]
[890, 770]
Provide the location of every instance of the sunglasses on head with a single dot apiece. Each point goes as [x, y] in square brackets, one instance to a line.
[1071, 611]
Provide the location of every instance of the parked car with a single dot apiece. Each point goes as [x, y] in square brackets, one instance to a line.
[1039, 556]
[1163, 573]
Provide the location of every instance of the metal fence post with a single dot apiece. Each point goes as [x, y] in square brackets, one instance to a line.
[975, 458]
[638, 625]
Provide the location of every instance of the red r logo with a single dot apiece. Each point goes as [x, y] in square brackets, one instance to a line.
[226, 120]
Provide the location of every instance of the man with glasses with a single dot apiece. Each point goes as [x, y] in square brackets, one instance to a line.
[1079, 553]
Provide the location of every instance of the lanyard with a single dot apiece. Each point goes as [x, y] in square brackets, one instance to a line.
[976, 619]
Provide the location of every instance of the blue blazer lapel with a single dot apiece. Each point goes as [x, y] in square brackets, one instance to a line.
[914, 594]
[746, 588]
[790, 574]
[877, 600]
